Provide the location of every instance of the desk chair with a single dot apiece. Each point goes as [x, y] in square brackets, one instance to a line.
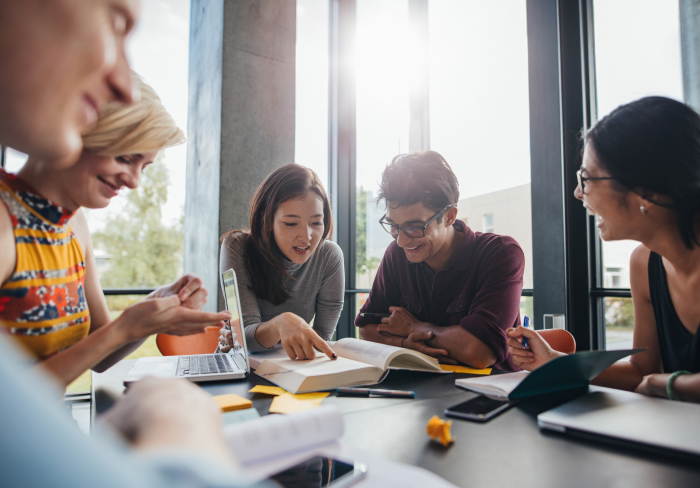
[558, 339]
[204, 343]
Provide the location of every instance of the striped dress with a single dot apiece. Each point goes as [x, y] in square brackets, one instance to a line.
[43, 303]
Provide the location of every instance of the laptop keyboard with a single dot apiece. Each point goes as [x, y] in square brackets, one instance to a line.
[209, 364]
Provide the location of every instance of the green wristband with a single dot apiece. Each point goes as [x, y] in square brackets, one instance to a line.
[669, 383]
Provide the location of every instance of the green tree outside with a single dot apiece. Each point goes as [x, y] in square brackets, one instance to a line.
[364, 265]
[144, 253]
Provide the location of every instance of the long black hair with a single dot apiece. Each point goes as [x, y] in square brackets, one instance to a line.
[652, 147]
[267, 272]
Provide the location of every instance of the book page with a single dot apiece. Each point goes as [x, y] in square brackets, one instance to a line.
[498, 386]
[255, 359]
[291, 374]
[365, 351]
[385, 356]
[276, 435]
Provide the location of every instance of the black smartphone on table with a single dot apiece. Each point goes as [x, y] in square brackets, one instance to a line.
[321, 472]
[478, 409]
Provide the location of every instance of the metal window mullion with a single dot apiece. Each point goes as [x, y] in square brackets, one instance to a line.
[342, 144]
[419, 92]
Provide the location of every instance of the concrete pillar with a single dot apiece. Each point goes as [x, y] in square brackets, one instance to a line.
[690, 51]
[241, 118]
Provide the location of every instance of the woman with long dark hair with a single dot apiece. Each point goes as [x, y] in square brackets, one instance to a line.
[641, 177]
[288, 270]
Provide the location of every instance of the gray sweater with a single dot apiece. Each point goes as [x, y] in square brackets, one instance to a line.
[317, 290]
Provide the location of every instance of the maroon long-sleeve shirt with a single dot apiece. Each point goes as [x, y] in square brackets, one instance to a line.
[479, 289]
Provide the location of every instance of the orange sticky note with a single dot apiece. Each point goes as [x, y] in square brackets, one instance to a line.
[267, 390]
[231, 402]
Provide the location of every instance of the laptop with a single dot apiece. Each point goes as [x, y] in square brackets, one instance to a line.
[204, 367]
[627, 419]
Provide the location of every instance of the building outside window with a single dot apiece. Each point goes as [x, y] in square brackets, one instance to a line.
[633, 59]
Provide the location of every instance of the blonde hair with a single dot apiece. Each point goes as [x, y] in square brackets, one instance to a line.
[144, 126]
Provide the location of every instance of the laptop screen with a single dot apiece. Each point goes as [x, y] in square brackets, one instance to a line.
[231, 295]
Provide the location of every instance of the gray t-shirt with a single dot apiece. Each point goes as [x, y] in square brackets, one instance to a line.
[317, 289]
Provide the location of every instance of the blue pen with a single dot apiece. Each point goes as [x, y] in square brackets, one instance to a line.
[526, 323]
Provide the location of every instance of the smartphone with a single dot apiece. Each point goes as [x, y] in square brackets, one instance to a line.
[321, 472]
[479, 409]
[375, 315]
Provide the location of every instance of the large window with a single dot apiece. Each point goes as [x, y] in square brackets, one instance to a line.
[425, 81]
[311, 127]
[633, 59]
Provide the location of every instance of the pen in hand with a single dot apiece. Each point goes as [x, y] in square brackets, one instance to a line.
[526, 323]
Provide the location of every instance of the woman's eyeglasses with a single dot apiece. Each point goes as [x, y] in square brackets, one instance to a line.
[413, 231]
[583, 179]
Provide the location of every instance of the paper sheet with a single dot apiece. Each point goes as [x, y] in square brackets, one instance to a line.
[239, 416]
[464, 369]
[267, 390]
[289, 403]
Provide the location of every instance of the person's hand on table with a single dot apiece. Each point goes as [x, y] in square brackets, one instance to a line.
[298, 339]
[537, 353]
[167, 413]
[165, 315]
[653, 385]
[188, 288]
[400, 323]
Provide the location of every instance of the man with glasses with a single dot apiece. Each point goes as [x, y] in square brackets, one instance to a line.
[446, 291]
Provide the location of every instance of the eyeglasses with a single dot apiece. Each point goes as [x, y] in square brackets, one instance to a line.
[413, 231]
[582, 179]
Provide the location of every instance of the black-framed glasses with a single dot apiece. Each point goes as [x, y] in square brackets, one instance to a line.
[583, 179]
[413, 231]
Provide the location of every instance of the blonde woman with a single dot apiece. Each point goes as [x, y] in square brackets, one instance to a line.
[50, 295]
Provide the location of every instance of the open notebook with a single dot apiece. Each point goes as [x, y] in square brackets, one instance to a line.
[571, 372]
[359, 363]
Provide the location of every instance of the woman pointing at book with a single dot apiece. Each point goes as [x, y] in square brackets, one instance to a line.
[289, 272]
[641, 177]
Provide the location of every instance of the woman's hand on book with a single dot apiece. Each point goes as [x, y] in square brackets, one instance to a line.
[298, 339]
[537, 353]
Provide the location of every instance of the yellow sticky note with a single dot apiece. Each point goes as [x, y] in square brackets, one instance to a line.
[464, 369]
[267, 390]
[319, 395]
[231, 402]
[289, 403]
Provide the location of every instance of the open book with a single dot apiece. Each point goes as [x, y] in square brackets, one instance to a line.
[273, 436]
[570, 372]
[359, 363]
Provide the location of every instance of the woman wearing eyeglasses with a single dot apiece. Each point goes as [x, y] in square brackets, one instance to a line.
[289, 272]
[641, 178]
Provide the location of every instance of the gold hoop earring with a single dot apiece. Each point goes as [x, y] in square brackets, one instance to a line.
[643, 209]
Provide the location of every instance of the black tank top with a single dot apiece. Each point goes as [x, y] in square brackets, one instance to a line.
[679, 349]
